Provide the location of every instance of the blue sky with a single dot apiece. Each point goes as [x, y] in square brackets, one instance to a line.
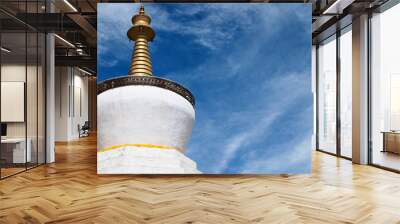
[248, 66]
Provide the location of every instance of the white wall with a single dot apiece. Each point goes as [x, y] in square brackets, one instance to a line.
[33, 126]
[62, 81]
[71, 102]
[17, 73]
[81, 113]
[14, 73]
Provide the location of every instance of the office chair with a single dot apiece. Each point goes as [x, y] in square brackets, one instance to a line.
[84, 130]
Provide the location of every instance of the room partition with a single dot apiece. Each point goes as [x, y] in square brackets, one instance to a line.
[23, 87]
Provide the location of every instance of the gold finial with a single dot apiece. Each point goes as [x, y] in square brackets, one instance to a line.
[141, 11]
[141, 32]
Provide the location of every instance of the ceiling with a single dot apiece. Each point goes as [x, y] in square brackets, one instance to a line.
[73, 22]
[332, 15]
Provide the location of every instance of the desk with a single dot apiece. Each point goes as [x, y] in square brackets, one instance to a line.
[391, 141]
[13, 150]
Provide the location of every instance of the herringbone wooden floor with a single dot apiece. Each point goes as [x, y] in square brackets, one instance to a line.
[69, 191]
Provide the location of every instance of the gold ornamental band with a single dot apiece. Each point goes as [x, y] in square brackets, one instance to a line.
[151, 146]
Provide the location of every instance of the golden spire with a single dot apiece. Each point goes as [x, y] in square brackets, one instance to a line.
[141, 33]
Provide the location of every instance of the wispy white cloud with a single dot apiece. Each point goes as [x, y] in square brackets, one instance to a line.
[113, 24]
[109, 63]
[206, 32]
[257, 119]
[291, 154]
[217, 25]
[241, 139]
[281, 95]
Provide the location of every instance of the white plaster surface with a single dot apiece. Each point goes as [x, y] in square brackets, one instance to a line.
[143, 115]
[140, 160]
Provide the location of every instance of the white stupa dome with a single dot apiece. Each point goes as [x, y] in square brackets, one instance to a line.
[142, 114]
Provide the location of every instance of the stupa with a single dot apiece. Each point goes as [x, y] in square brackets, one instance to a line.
[144, 122]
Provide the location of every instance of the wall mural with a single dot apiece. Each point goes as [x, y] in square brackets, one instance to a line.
[204, 88]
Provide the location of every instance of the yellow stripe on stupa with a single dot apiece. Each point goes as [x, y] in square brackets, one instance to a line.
[137, 145]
